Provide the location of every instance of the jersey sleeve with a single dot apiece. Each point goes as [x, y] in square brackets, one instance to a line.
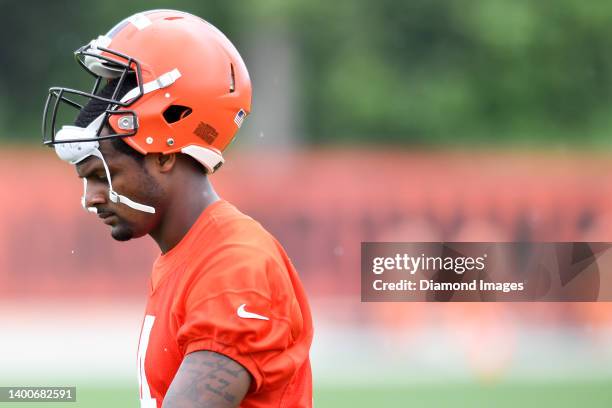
[241, 304]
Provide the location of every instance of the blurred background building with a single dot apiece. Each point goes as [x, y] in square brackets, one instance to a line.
[417, 120]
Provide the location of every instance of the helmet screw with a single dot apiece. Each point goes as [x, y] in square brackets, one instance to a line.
[167, 95]
[170, 141]
[149, 140]
[126, 123]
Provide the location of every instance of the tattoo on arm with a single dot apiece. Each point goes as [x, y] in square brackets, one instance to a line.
[207, 379]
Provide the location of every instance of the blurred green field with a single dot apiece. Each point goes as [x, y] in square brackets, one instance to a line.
[511, 395]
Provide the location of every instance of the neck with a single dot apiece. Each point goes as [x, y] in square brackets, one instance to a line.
[182, 213]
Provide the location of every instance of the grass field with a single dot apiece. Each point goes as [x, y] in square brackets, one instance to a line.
[554, 395]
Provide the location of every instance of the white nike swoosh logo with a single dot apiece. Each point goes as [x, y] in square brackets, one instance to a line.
[248, 315]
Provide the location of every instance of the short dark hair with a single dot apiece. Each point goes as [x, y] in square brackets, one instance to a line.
[120, 146]
[96, 107]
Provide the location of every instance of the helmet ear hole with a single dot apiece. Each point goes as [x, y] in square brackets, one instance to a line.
[174, 113]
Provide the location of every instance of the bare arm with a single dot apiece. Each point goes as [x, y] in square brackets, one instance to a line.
[207, 379]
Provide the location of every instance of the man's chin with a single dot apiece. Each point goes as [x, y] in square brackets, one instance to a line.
[122, 234]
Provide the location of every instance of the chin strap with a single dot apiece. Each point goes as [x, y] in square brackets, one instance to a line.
[112, 194]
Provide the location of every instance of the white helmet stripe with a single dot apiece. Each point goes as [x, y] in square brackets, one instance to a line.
[139, 21]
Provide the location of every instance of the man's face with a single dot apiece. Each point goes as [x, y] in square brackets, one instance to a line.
[130, 178]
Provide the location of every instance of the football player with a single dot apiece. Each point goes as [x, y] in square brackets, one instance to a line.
[227, 321]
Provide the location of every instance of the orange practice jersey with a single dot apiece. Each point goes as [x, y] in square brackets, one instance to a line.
[228, 287]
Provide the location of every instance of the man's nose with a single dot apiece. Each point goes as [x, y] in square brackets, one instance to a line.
[95, 194]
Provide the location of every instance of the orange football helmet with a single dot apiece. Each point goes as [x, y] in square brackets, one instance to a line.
[193, 89]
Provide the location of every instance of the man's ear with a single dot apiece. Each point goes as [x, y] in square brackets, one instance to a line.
[163, 162]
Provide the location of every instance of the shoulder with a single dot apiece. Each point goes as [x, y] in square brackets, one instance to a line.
[232, 228]
[237, 253]
[237, 236]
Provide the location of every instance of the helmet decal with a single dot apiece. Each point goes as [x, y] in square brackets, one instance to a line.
[239, 118]
[206, 132]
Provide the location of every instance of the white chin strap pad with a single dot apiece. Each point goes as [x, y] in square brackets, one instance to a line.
[118, 198]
